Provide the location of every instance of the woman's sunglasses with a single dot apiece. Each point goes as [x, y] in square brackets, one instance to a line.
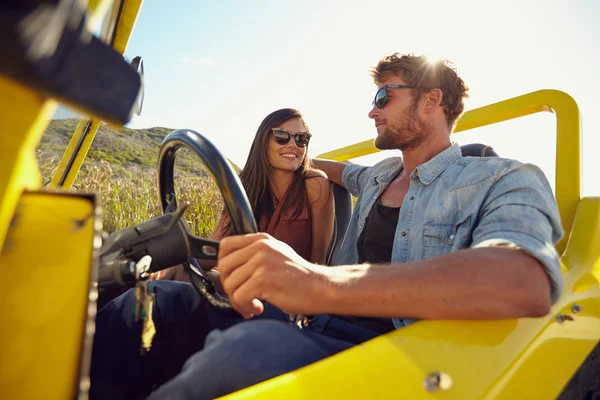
[381, 97]
[282, 136]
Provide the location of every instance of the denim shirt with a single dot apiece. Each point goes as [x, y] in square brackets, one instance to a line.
[457, 202]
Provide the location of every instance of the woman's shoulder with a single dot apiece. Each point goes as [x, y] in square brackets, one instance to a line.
[315, 173]
[316, 185]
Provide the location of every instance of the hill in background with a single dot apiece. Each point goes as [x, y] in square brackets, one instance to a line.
[123, 148]
[121, 170]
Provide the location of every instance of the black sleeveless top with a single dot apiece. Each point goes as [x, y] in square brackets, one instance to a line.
[377, 237]
[375, 246]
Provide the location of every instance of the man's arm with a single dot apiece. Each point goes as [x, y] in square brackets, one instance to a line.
[486, 283]
[352, 177]
[333, 169]
[490, 283]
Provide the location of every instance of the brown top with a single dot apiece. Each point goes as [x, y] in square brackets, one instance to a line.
[296, 233]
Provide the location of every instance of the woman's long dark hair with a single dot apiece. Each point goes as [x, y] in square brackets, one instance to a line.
[256, 174]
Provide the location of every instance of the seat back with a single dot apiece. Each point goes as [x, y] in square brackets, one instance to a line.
[343, 212]
[477, 150]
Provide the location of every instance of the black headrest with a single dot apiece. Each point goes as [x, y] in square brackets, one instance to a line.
[477, 150]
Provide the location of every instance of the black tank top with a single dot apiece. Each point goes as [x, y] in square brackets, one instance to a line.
[377, 237]
[375, 246]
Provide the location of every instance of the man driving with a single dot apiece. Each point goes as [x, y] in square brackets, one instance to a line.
[433, 235]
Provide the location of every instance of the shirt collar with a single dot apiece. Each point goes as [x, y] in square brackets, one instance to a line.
[386, 176]
[430, 170]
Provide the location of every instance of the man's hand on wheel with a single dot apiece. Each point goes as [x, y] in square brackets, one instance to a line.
[257, 267]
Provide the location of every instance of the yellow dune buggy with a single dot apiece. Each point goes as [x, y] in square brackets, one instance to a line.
[51, 243]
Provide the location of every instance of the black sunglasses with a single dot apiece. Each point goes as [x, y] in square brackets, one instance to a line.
[381, 97]
[282, 136]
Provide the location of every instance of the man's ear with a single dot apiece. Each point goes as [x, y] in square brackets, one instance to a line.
[433, 98]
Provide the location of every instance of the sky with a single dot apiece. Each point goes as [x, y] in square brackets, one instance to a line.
[220, 67]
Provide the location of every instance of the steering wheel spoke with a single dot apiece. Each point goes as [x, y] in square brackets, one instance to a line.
[204, 249]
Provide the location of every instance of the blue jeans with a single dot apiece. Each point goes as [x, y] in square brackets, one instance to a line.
[199, 354]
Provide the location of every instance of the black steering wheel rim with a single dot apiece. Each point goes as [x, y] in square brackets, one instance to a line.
[234, 197]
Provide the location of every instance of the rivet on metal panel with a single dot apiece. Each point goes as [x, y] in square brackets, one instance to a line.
[560, 318]
[437, 380]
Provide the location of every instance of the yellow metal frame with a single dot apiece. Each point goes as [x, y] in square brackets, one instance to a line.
[129, 14]
[90, 134]
[47, 243]
[25, 116]
[125, 22]
[568, 142]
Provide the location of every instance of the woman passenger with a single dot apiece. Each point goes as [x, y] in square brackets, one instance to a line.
[290, 201]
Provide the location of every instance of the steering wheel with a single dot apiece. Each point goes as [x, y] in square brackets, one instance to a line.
[234, 196]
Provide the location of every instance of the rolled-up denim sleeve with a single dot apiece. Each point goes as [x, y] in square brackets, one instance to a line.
[354, 178]
[521, 212]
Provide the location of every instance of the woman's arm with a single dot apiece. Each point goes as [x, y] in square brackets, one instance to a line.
[320, 196]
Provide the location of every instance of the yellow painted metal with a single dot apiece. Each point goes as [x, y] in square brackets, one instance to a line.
[346, 153]
[25, 115]
[125, 21]
[96, 11]
[44, 260]
[511, 359]
[46, 266]
[79, 157]
[568, 142]
[583, 249]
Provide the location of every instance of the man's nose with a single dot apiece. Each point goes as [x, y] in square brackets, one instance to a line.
[374, 113]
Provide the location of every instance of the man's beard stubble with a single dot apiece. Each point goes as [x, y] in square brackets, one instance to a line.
[408, 134]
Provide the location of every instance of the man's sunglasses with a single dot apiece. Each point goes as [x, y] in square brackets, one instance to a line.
[282, 136]
[381, 97]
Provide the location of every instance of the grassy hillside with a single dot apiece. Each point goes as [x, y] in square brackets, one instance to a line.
[121, 169]
[123, 148]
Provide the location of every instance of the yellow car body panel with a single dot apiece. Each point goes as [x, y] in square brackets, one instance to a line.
[25, 115]
[46, 264]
